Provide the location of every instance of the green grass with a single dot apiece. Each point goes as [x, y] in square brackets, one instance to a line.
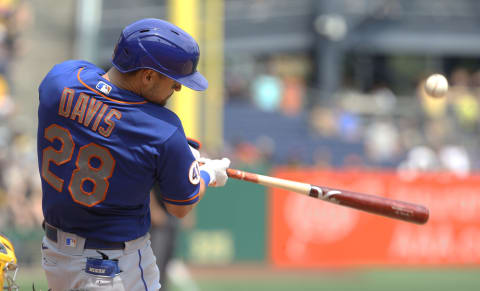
[28, 276]
[368, 280]
[456, 279]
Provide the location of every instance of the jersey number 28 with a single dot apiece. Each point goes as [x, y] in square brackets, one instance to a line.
[86, 169]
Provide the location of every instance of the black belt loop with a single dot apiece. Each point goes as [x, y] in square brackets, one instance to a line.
[51, 233]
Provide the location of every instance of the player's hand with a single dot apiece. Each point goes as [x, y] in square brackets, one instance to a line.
[216, 169]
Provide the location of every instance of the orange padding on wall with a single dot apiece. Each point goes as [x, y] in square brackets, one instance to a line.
[305, 232]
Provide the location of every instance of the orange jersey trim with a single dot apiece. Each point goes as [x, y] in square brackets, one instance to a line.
[189, 199]
[111, 99]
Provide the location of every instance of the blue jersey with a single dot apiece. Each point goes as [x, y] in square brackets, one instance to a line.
[101, 149]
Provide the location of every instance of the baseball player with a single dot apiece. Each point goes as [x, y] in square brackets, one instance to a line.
[104, 139]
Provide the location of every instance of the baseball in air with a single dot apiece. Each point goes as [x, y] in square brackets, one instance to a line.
[436, 85]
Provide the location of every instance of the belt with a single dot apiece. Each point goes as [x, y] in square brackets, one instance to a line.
[96, 244]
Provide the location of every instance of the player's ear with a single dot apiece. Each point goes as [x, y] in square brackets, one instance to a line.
[147, 76]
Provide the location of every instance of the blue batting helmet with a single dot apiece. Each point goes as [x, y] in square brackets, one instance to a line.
[161, 46]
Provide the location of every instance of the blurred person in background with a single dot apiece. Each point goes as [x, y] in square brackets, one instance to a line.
[348, 125]
[267, 89]
[163, 234]
[14, 17]
[20, 194]
[293, 95]
[236, 87]
[455, 159]
[323, 121]
[464, 102]
[17, 206]
[385, 99]
[23, 183]
[382, 141]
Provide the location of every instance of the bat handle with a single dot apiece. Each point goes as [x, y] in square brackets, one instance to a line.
[234, 173]
[242, 175]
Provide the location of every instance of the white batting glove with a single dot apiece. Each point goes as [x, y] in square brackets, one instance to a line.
[216, 170]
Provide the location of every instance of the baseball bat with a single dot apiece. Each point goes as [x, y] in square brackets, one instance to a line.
[391, 208]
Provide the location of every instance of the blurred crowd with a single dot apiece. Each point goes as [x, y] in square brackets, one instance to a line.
[405, 133]
[20, 196]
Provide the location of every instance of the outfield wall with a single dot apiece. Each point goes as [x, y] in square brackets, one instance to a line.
[246, 222]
